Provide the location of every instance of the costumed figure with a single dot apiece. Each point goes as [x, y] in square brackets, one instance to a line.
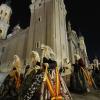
[33, 78]
[81, 80]
[66, 71]
[12, 83]
[53, 87]
[96, 73]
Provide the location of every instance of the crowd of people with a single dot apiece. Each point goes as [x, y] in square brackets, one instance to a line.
[81, 79]
[42, 78]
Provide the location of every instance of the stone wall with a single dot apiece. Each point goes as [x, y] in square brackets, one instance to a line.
[48, 26]
[17, 44]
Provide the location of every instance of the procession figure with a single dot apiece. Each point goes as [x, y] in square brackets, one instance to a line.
[66, 71]
[56, 87]
[12, 83]
[33, 78]
[17, 63]
[81, 80]
[96, 72]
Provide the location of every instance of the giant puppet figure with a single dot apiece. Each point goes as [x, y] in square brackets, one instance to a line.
[54, 85]
[81, 80]
[33, 78]
[66, 71]
[12, 83]
[96, 72]
[42, 81]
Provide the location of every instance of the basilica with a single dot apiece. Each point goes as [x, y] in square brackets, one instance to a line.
[47, 26]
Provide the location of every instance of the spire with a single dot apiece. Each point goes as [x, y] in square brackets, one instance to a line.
[8, 2]
[69, 26]
[80, 34]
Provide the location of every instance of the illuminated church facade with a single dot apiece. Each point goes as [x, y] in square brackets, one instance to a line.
[47, 26]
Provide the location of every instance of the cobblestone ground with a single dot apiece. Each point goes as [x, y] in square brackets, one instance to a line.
[93, 95]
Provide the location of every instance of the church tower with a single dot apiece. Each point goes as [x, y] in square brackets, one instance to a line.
[5, 13]
[48, 26]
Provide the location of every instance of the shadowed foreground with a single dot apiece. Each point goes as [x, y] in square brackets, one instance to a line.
[93, 95]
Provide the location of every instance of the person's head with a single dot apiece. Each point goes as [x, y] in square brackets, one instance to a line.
[77, 57]
[35, 57]
[48, 52]
[16, 62]
[81, 62]
[27, 66]
[66, 61]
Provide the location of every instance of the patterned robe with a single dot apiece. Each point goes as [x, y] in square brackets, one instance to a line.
[32, 84]
[8, 89]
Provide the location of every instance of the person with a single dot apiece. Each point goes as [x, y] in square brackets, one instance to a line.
[33, 78]
[17, 63]
[67, 71]
[53, 74]
[12, 83]
[81, 81]
[96, 75]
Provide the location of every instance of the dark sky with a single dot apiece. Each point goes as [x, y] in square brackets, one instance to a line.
[83, 14]
[85, 17]
[20, 13]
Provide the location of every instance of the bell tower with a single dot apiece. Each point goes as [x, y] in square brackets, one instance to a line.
[5, 13]
[48, 26]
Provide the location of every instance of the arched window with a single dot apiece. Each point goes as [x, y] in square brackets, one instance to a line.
[5, 14]
[3, 49]
[1, 12]
[39, 4]
[0, 31]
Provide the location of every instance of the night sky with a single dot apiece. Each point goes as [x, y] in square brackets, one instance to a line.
[20, 13]
[83, 14]
[85, 18]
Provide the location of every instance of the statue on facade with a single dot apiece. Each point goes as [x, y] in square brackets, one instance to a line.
[16, 29]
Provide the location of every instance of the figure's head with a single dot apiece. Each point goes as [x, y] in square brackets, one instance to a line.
[77, 57]
[35, 57]
[47, 52]
[66, 60]
[16, 57]
[16, 61]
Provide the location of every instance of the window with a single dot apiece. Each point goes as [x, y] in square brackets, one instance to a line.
[37, 44]
[39, 19]
[0, 31]
[39, 4]
[1, 12]
[3, 49]
[0, 62]
[5, 14]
